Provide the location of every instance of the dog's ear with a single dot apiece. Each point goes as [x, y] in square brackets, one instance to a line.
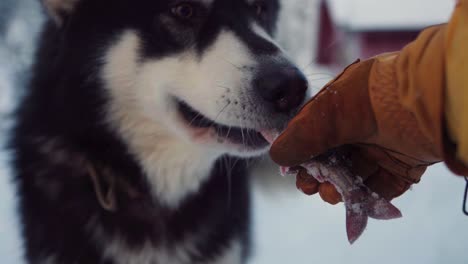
[59, 10]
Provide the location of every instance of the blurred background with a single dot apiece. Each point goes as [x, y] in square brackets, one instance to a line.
[323, 37]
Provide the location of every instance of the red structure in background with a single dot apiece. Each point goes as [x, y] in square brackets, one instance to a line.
[326, 37]
[339, 45]
[373, 43]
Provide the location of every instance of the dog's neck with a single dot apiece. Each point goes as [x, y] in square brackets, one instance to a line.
[174, 169]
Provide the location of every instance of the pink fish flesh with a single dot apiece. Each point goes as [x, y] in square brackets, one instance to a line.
[360, 202]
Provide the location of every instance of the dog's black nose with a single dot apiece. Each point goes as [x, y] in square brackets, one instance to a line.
[283, 88]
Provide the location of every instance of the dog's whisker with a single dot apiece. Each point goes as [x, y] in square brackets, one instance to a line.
[242, 132]
[308, 65]
[232, 64]
[220, 112]
[320, 74]
[250, 137]
[318, 79]
[225, 87]
[195, 118]
[334, 42]
[229, 131]
[218, 132]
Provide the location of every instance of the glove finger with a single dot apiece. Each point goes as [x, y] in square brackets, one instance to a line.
[340, 114]
[306, 183]
[329, 193]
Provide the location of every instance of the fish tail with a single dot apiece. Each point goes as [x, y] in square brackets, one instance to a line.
[358, 211]
[379, 208]
[356, 222]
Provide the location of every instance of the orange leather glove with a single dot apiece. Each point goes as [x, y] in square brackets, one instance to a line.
[388, 110]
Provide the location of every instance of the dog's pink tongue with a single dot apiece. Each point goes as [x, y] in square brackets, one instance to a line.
[270, 136]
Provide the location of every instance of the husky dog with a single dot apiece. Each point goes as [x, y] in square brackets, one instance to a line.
[131, 141]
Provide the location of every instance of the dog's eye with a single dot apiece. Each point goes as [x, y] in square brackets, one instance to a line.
[259, 8]
[183, 11]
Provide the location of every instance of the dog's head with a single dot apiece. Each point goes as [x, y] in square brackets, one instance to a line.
[180, 83]
[205, 71]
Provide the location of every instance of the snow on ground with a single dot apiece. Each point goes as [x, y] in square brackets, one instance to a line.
[293, 228]
[390, 14]
[16, 42]
[10, 243]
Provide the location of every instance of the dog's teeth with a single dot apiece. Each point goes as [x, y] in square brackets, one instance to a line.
[270, 136]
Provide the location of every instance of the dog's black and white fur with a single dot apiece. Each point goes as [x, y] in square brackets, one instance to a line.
[130, 142]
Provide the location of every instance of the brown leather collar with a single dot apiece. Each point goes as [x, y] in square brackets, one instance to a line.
[106, 187]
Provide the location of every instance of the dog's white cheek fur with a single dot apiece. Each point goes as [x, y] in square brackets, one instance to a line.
[174, 167]
[218, 83]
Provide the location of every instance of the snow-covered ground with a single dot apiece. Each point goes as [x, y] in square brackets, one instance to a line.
[293, 228]
[10, 243]
[390, 14]
[288, 226]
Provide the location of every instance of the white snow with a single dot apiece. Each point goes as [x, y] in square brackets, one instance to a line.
[364, 15]
[10, 243]
[16, 54]
[293, 228]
